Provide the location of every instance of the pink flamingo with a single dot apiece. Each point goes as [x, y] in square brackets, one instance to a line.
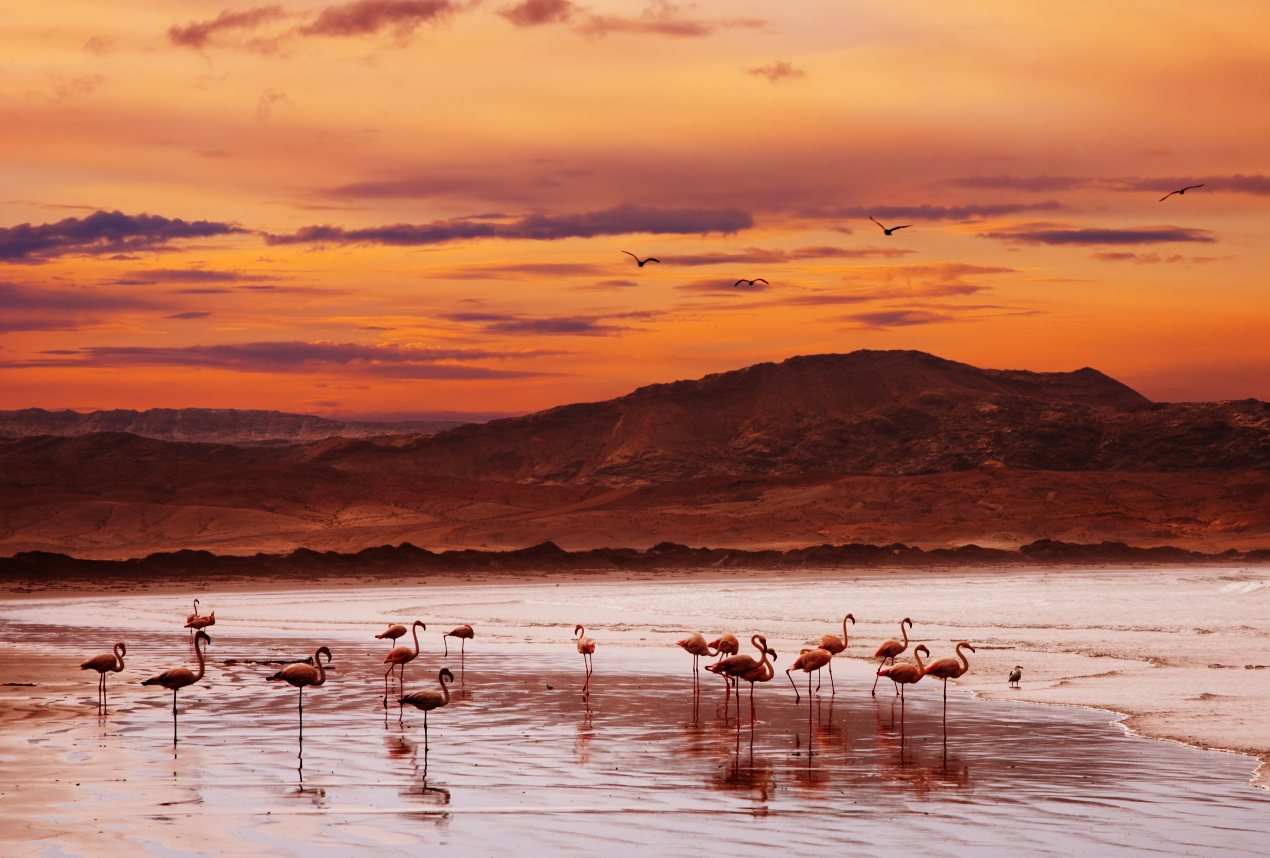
[740, 667]
[833, 645]
[390, 634]
[429, 700]
[696, 645]
[300, 675]
[904, 673]
[950, 668]
[889, 650]
[399, 657]
[725, 645]
[180, 677]
[464, 633]
[586, 647]
[809, 660]
[107, 662]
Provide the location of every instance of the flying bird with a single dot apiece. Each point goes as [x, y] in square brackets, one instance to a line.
[753, 282]
[1180, 191]
[889, 230]
[640, 262]
[1016, 675]
[889, 650]
[107, 662]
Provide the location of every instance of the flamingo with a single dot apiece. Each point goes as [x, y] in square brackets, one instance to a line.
[390, 634]
[1016, 675]
[107, 662]
[429, 700]
[833, 645]
[904, 673]
[695, 644]
[464, 633]
[201, 622]
[180, 677]
[809, 660]
[740, 667]
[400, 656]
[194, 615]
[299, 675]
[950, 668]
[889, 650]
[586, 647]
[724, 645]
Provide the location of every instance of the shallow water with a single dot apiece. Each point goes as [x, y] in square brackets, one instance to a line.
[519, 761]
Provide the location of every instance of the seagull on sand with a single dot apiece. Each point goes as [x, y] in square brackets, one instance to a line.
[640, 262]
[1180, 191]
[1016, 675]
[889, 230]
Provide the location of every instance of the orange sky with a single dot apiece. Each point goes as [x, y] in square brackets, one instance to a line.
[403, 206]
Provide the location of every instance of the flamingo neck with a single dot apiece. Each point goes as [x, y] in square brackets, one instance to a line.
[317, 662]
[904, 632]
[198, 650]
[844, 631]
[754, 642]
[414, 630]
[917, 656]
[965, 662]
[118, 660]
[445, 690]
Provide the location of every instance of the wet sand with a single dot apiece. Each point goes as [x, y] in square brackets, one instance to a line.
[514, 764]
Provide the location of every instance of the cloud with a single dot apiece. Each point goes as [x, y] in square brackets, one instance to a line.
[534, 13]
[187, 275]
[520, 271]
[296, 357]
[192, 314]
[269, 101]
[727, 285]
[1255, 184]
[516, 323]
[197, 34]
[619, 220]
[896, 318]
[929, 212]
[1025, 183]
[777, 72]
[662, 18]
[606, 285]
[1152, 258]
[367, 17]
[1057, 235]
[102, 233]
[32, 308]
[761, 256]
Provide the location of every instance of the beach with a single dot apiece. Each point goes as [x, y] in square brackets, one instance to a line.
[519, 760]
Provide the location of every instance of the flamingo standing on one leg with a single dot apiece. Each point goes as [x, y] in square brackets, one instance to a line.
[107, 662]
[904, 673]
[180, 677]
[695, 644]
[586, 647]
[399, 657]
[464, 633]
[833, 645]
[429, 700]
[390, 634]
[950, 668]
[889, 650]
[300, 675]
[809, 660]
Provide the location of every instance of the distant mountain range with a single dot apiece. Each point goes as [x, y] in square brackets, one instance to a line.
[214, 425]
[870, 447]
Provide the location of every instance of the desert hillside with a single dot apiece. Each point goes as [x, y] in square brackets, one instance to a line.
[874, 447]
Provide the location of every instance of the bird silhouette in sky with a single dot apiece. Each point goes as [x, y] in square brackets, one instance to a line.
[753, 282]
[640, 262]
[1180, 191]
[890, 230]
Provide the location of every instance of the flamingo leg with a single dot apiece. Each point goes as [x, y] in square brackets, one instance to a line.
[388, 671]
[445, 642]
[792, 684]
[751, 705]
[832, 689]
[425, 731]
[462, 655]
[874, 692]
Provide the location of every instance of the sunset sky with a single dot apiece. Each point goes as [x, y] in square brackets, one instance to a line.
[395, 207]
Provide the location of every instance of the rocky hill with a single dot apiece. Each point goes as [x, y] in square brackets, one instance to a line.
[876, 447]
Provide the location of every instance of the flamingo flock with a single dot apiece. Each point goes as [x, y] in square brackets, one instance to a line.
[730, 665]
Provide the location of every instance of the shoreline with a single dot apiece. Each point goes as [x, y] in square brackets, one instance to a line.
[1068, 672]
